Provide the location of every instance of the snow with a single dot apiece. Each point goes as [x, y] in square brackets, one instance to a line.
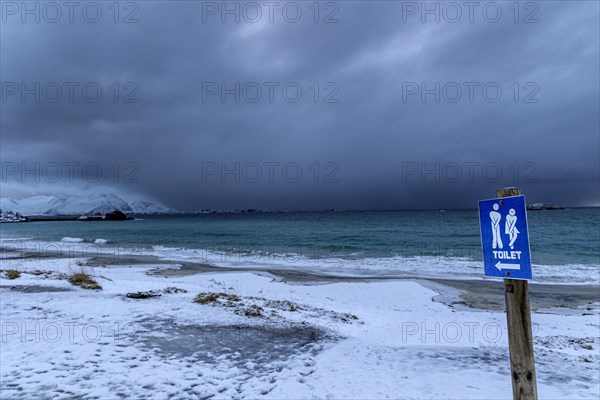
[146, 207]
[9, 216]
[76, 205]
[401, 344]
[35, 205]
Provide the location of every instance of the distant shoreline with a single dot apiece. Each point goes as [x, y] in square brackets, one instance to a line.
[77, 217]
[36, 218]
[69, 218]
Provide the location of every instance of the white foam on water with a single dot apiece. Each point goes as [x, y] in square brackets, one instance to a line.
[420, 266]
[71, 240]
[396, 266]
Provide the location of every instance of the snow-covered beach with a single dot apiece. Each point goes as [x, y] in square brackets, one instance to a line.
[328, 200]
[207, 332]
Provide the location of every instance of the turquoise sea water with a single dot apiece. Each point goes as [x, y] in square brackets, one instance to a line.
[427, 242]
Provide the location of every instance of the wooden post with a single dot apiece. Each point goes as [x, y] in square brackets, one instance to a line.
[520, 338]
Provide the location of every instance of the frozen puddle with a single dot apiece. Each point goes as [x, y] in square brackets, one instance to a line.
[231, 360]
[240, 345]
[34, 288]
[164, 359]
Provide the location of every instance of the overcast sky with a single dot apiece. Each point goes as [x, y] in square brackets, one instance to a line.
[376, 105]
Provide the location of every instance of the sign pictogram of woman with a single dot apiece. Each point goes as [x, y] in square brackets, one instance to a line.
[510, 227]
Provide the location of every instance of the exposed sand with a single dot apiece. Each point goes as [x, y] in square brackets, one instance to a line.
[489, 295]
[482, 294]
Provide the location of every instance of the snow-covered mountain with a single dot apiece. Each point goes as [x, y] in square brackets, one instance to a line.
[146, 207]
[9, 216]
[79, 205]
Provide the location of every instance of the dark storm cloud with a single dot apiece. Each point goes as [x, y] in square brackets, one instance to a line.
[377, 147]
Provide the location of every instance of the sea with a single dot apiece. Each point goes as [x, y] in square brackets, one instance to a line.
[565, 244]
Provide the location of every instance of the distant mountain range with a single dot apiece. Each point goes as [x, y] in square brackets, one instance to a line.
[47, 205]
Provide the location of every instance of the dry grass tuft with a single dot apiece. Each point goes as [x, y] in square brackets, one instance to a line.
[173, 289]
[283, 305]
[84, 281]
[253, 311]
[230, 300]
[12, 273]
[205, 298]
[143, 295]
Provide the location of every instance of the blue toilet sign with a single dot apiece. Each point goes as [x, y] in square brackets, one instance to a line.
[505, 238]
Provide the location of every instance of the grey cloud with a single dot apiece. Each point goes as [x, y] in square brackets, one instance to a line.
[371, 135]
